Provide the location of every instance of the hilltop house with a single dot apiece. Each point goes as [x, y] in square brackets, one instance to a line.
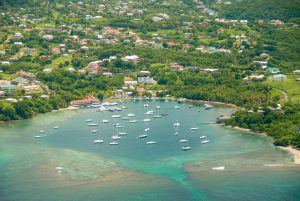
[276, 22]
[48, 37]
[4, 83]
[18, 35]
[176, 67]
[146, 80]
[133, 58]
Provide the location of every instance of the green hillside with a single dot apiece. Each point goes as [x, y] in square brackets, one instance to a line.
[262, 9]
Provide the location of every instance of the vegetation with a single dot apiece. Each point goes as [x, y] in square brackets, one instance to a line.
[283, 126]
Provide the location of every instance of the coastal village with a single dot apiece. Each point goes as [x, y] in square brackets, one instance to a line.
[62, 44]
[78, 53]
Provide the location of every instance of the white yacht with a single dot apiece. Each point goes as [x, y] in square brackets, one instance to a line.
[116, 137]
[218, 168]
[37, 136]
[194, 128]
[158, 107]
[116, 116]
[176, 107]
[94, 131]
[205, 141]
[183, 140]
[202, 137]
[185, 148]
[123, 107]
[98, 141]
[176, 124]
[133, 121]
[56, 127]
[122, 133]
[42, 131]
[150, 112]
[143, 136]
[130, 115]
[151, 142]
[93, 124]
[105, 121]
[113, 143]
[157, 116]
[88, 120]
[207, 106]
[147, 129]
[119, 126]
[146, 120]
[118, 109]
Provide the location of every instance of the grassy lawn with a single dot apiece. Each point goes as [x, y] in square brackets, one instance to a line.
[290, 86]
[4, 76]
[59, 60]
[275, 92]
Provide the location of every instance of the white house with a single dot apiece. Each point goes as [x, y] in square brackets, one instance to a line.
[47, 70]
[130, 83]
[48, 37]
[18, 35]
[146, 80]
[132, 58]
[278, 78]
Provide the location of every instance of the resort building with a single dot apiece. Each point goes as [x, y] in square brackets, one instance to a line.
[86, 101]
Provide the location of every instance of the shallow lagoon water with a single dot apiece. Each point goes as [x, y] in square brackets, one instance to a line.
[132, 170]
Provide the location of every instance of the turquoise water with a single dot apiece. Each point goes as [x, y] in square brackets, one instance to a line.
[132, 170]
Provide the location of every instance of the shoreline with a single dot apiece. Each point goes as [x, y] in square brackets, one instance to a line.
[213, 103]
[294, 152]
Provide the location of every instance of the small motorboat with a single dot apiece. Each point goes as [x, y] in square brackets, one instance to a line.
[194, 128]
[205, 141]
[143, 136]
[151, 142]
[94, 131]
[202, 137]
[183, 140]
[88, 120]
